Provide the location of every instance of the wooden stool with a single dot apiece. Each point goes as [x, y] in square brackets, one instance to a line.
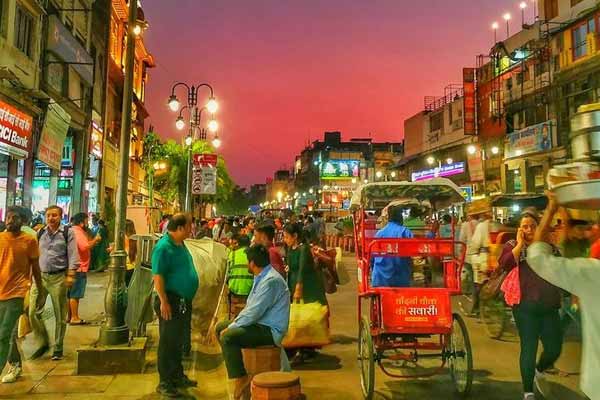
[276, 386]
[262, 359]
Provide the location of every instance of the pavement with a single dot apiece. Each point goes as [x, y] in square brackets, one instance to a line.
[332, 375]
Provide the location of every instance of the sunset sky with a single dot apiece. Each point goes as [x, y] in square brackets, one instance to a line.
[285, 71]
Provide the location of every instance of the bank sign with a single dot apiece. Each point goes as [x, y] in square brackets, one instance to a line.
[16, 129]
[441, 171]
[533, 139]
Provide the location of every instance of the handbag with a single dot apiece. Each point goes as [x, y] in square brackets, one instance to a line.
[308, 327]
[325, 261]
[491, 287]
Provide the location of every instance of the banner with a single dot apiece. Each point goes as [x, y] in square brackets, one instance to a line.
[16, 129]
[475, 166]
[441, 171]
[533, 139]
[407, 309]
[204, 177]
[53, 136]
[469, 101]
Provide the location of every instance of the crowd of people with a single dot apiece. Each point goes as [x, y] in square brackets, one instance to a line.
[262, 282]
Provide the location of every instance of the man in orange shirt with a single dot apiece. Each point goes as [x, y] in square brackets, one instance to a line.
[84, 248]
[18, 262]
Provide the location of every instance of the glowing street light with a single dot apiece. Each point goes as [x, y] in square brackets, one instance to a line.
[449, 161]
[180, 123]
[430, 160]
[212, 106]
[495, 29]
[311, 191]
[471, 149]
[216, 142]
[506, 17]
[379, 174]
[523, 6]
[279, 195]
[393, 174]
[495, 150]
[213, 125]
[174, 103]
[188, 140]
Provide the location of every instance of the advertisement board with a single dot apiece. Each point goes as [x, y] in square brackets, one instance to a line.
[406, 309]
[340, 169]
[469, 101]
[204, 178]
[16, 129]
[533, 139]
[62, 43]
[440, 171]
[53, 136]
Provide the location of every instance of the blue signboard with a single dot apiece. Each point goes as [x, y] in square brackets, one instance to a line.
[467, 192]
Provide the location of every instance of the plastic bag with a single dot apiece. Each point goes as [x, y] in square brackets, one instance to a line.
[308, 327]
[512, 287]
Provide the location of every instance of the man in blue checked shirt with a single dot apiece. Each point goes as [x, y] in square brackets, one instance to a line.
[263, 322]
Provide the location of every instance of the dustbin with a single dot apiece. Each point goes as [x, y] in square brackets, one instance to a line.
[140, 291]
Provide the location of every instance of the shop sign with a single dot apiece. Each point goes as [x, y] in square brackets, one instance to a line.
[443, 171]
[62, 43]
[53, 136]
[533, 139]
[467, 192]
[469, 101]
[16, 130]
[475, 166]
[96, 140]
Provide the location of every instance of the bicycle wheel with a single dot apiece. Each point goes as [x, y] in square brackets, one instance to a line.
[366, 359]
[460, 356]
[493, 315]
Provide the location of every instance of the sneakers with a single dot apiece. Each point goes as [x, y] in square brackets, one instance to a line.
[57, 356]
[529, 396]
[184, 382]
[538, 381]
[167, 390]
[14, 371]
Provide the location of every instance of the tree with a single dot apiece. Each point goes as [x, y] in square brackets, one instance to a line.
[172, 183]
[236, 204]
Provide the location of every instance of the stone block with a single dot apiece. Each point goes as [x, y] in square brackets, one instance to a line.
[110, 360]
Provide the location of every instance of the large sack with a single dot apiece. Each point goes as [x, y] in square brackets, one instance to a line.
[210, 261]
[309, 326]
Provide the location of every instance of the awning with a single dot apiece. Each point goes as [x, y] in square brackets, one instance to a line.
[406, 160]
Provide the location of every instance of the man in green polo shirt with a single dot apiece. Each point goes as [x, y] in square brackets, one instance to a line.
[176, 283]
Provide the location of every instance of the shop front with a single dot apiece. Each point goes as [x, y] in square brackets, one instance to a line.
[527, 158]
[16, 142]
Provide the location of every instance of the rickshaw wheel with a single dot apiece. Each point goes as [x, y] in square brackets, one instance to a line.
[366, 359]
[493, 315]
[460, 358]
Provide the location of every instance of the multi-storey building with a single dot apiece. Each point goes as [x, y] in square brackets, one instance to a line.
[137, 190]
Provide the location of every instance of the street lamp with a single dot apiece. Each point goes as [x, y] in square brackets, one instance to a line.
[449, 161]
[430, 160]
[523, 6]
[495, 29]
[393, 174]
[495, 150]
[194, 122]
[188, 140]
[114, 331]
[216, 142]
[506, 17]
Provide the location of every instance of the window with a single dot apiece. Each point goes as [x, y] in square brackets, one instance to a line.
[23, 30]
[580, 40]
[436, 122]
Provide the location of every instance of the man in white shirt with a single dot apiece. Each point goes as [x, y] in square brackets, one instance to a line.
[580, 276]
[480, 247]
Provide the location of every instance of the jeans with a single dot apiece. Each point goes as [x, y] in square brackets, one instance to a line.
[10, 311]
[171, 336]
[54, 284]
[234, 340]
[537, 322]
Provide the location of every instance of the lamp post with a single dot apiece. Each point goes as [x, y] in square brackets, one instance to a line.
[472, 149]
[506, 17]
[523, 6]
[114, 331]
[194, 122]
[495, 29]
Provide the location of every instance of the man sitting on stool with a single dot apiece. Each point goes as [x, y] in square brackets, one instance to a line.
[263, 322]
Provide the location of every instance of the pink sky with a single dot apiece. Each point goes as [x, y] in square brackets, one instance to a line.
[286, 71]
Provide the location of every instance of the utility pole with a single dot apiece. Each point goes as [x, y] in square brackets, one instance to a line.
[114, 330]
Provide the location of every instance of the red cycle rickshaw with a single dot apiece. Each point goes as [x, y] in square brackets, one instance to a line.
[401, 326]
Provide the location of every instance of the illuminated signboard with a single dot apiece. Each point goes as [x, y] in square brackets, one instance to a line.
[340, 169]
[443, 171]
